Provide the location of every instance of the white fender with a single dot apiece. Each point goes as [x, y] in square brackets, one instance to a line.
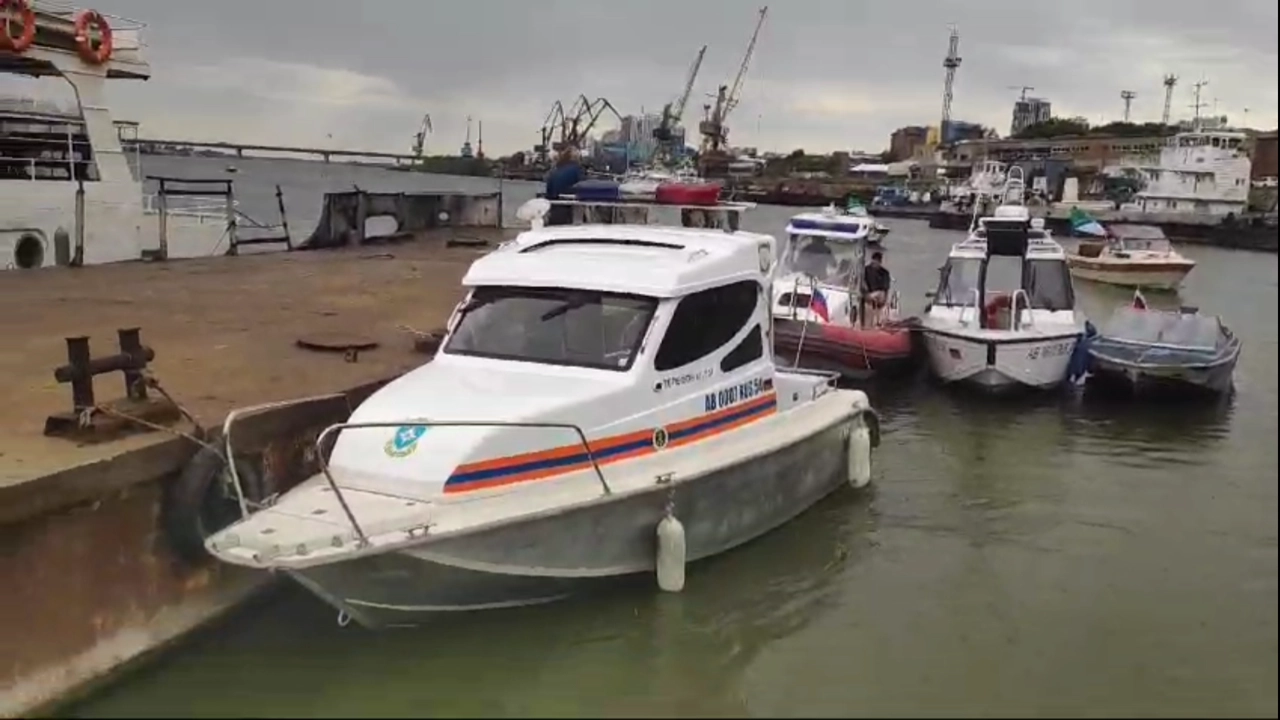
[860, 442]
[860, 454]
[671, 554]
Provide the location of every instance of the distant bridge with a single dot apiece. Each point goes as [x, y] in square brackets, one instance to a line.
[169, 146]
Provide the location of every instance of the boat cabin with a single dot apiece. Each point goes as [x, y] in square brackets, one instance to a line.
[656, 335]
[825, 246]
[1139, 238]
[1009, 265]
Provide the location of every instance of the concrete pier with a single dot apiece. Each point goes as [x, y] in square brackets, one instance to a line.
[93, 582]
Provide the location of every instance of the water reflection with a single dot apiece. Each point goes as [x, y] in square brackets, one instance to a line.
[629, 651]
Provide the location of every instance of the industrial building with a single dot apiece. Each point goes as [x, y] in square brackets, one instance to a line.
[1028, 111]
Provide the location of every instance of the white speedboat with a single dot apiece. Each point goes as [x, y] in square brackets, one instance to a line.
[877, 231]
[643, 184]
[1004, 314]
[604, 404]
[1137, 256]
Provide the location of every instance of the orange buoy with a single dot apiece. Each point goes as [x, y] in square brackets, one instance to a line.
[86, 19]
[25, 15]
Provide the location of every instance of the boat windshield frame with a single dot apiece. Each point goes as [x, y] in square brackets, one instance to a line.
[509, 307]
[797, 242]
[1062, 298]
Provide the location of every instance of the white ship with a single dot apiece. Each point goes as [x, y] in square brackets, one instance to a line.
[67, 193]
[1205, 172]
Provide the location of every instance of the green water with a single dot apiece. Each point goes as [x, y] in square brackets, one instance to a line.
[1047, 558]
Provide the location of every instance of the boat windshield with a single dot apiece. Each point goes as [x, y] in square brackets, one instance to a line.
[1046, 282]
[960, 278]
[552, 326]
[1189, 330]
[828, 260]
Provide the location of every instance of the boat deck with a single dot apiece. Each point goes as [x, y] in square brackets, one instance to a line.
[223, 330]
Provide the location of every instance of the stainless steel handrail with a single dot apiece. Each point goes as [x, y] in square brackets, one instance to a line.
[339, 427]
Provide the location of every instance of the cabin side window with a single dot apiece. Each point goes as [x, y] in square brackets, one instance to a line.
[1048, 285]
[960, 278]
[706, 321]
[746, 352]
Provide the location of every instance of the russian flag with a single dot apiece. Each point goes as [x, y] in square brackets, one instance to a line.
[818, 304]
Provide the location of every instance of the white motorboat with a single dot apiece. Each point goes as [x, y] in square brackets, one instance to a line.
[877, 230]
[643, 184]
[1137, 256]
[1004, 314]
[604, 403]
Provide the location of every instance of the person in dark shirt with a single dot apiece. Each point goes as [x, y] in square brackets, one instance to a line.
[876, 282]
[560, 181]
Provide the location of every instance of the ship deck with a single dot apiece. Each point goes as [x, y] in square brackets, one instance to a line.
[223, 329]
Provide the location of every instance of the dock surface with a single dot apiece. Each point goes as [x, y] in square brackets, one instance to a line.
[223, 330]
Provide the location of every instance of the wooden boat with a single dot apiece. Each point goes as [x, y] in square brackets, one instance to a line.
[1138, 256]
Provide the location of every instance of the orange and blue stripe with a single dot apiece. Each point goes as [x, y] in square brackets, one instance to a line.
[542, 464]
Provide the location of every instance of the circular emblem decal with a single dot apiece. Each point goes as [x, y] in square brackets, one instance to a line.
[405, 441]
[660, 438]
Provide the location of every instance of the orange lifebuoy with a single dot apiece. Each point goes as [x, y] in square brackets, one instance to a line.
[86, 19]
[26, 16]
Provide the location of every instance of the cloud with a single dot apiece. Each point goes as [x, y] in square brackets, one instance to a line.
[827, 74]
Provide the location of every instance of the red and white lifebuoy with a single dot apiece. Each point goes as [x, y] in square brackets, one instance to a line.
[21, 10]
[86, 19]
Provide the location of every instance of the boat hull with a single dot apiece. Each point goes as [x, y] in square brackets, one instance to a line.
[1167, 275]
[553, 556]
[1217, 378]
[855, 353]
[1000, 361]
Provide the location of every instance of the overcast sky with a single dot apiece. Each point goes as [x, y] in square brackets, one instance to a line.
[827, 74]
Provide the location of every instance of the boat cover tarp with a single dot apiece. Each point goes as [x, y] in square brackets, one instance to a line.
[1153, 337]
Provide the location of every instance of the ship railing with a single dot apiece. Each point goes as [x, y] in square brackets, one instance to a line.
[323, 446]
[67, 11]
[1026, 305]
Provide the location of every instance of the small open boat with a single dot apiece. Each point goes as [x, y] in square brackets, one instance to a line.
[603, 405]
[820, 318]
[1147, 350]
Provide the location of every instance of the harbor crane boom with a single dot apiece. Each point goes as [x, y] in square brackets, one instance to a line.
[673, 113]
[420, 139]
[555, 121]
[582, 117]
[714, 131]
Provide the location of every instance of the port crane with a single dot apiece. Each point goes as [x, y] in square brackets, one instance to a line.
[1024, 88]
[713, 129]
[581, 117]
[554, 122]
[673, 113]
[420, 139]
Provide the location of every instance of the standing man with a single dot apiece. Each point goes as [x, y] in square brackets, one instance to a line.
[566, 174]
[876, 282]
